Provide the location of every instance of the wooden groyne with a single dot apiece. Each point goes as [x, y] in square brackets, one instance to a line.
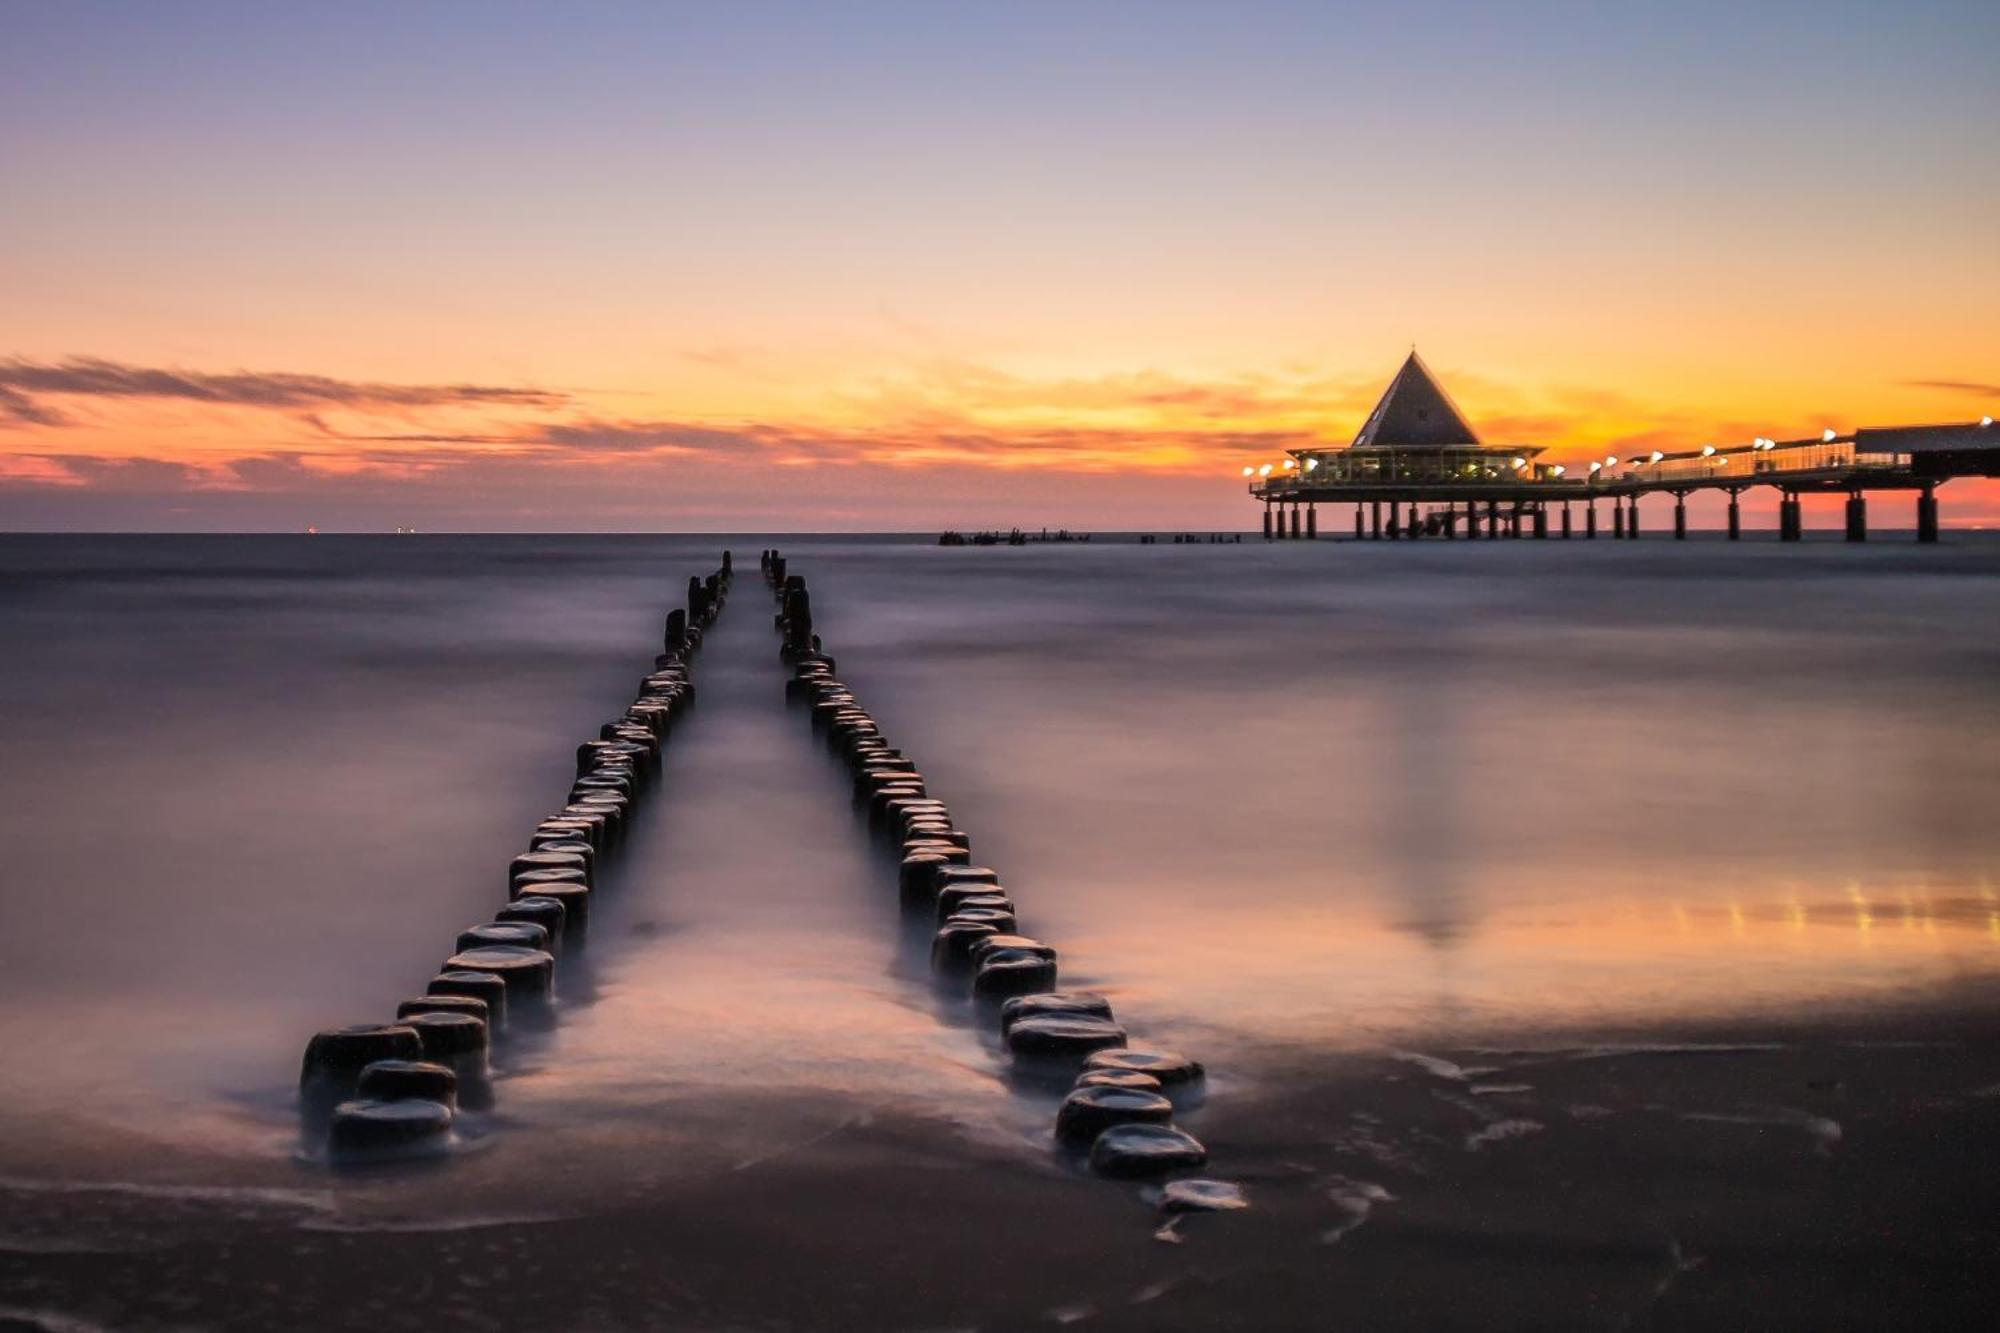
[397, 1089]
[1118, 1112]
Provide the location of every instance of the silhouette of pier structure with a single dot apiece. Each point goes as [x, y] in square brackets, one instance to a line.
[1417, 458]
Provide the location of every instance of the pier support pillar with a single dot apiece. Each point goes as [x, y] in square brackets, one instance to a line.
[1267, 522]
[1590, 521]
[1791, 520]
[1472, 520]
[1857, 517]
[1375, 520]
[1295, 522]
[1565, 520]
[1680, 516]
[1312, 522]
[1927, 516]
[1632, 521]
[1395, 520]
[1735, 516]
[1542, 521]
[1357, 521]
[1617, 517]
[1492, 520]
[1450, 522]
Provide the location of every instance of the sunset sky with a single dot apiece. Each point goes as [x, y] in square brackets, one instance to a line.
[903, 266]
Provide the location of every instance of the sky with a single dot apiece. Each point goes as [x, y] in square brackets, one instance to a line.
[873, 266]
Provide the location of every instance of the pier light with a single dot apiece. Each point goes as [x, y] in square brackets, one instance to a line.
[1291, 463]
[1520, 463]
[1657, 456]
[1708, 451]
[1826, 436]
[1248, 471]
[1557, 470]
[1311, 463]
[1986, 421]
[1596, 467]
[1264, 471]
[1611, 460]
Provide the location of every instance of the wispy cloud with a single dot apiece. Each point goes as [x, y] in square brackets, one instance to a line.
[1956, 386]
[23, 383]
[17, 408]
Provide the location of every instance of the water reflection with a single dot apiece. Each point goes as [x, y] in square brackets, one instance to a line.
[1306, 796]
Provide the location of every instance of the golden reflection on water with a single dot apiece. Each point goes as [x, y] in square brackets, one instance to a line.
[1326, 974]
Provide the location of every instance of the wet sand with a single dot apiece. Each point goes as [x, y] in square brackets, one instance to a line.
[1670, 1068]
[1830, 1181]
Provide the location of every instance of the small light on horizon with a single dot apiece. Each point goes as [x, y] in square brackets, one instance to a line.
[1611, 460]
[1264, 471]
[1708, 451]
[1291, 463]
[1311, 463]
[1557, 470]
[1596, 466]
[1520, 463]
[1248, 471]
[1986, 421]
[1826, 436]
[1657, 456]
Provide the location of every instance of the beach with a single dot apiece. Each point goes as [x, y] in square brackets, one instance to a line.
[1576, 935]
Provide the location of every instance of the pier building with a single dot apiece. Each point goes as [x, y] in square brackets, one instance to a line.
[1418, 469]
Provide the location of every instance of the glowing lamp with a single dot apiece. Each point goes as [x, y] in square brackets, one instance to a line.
[1557, 470]
[1311, 463]
[1826, 436]
[1986, 421]
[1520, 463]
[1657, 456]
[1596, 466]
[1708, 451]
[1611, 460]
[1264, 471]
[1248, 471]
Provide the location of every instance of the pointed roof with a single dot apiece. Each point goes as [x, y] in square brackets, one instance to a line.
[1415, 411]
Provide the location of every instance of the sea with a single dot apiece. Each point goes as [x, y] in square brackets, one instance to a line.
[1575, 934]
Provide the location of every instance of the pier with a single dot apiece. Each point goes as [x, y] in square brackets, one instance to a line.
[1417, 469]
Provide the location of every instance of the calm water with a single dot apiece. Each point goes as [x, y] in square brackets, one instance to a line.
[1280, 801]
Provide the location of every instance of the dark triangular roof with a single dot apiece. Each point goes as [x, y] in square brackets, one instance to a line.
[1414, 410]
